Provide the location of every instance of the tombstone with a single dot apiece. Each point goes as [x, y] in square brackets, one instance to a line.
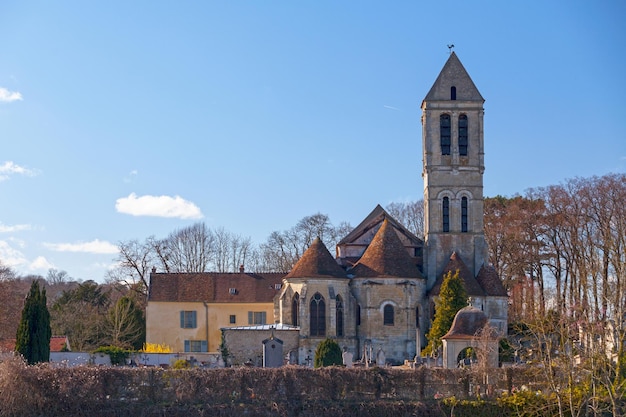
[347, 358]
[380, 357]
[272, 353]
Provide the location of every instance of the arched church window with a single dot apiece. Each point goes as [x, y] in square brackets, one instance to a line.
[463, 135]
[453, 93]
[358, 315]
[318, 315]
[445, 214]
[464, 215]
[295, 307]
[444, 133]
[339, 315]
[388, 316]
[417, 317]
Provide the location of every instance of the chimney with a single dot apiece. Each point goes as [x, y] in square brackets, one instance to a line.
[241, 269]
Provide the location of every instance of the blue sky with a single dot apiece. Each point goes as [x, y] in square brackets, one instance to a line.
[121, 120]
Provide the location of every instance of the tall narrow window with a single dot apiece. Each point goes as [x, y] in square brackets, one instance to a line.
[388, 316]
[318, 315]
[339, 315]
[417, 317]
[444, 133]
[295, 306]
[358, 314]
[464, 214]
[445, 211]
[453, 93]
[463, 135]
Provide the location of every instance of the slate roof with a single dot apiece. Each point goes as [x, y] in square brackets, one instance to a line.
[491, 283]
[466, 323]
[453, 74]
[386, 256]
[472, 287]
[212, 287]
[317, 262]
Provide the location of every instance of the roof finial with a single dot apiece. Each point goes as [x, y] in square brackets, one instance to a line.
[450, 47]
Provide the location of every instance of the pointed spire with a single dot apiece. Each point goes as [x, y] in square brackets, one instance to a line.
[316, 262]
[386, 256]
[453, 74]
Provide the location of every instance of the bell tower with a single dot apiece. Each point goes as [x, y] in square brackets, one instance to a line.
[453, 166]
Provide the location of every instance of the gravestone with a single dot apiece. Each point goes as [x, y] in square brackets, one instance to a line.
[272, 353]
[347, 359]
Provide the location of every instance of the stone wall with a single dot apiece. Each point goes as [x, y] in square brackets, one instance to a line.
[246, 345]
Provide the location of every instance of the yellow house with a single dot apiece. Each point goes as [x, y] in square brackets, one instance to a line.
[186, 310]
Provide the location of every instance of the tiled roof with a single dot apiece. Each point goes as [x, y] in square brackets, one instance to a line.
[212, 287]
[386, 256]
[56, 344]
[466, 323]
[490, 281]
[375, 217]
[472, 287]
[317, 262]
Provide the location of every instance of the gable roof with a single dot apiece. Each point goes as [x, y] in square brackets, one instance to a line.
[372, 220]
[317, 262]
[490, 282]
[454, 74]
[472, 287]
[386, 256]
[212, 287]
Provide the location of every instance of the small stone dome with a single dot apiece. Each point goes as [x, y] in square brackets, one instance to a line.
[466, 323]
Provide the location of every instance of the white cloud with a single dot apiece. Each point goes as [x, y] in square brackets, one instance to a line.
[40, 263]
[9, 256]
[95, 246]
[14, 228]
[131, 176]
[9, 168]
[158, 206]
[7, 96]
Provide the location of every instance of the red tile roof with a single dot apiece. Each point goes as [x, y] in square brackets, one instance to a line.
[490, 281]
[56, 344]
[212, 287]
[386, 256]
[317, 262]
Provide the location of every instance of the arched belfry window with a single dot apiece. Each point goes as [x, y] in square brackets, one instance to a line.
[463, 135]
[453, 93]
[339, 315]
[445, 214]
[318, 315]
[464, 215]
[388, 316]
[295, 307]
[444, 133]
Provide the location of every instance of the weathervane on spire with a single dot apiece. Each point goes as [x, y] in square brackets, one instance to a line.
[450, 47]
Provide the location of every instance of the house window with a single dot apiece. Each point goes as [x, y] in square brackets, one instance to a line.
[188, 320]
[339, 315]
[295, 309]
[233, 319]
[196, 346]
[444, 133]
[464, 215]
[445, 208]
[256, 317]
[463, 135]
[278, 286]
[388, 317]
[453, 93]
[232, 291]
[318, 315]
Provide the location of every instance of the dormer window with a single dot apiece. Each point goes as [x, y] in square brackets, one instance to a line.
[453, 93]
[232, 291]
[444, 133]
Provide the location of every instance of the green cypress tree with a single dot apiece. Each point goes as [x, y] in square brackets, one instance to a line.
[328, 353]
[34, 333]
[452, 298]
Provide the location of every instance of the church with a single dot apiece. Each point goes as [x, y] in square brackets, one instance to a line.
[379, 292]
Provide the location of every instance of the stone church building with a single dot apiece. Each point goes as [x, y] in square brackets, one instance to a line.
[378, 293]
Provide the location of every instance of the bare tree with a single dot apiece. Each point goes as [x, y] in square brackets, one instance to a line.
[410, 214]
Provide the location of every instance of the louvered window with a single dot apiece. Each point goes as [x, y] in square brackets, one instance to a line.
[445, 209]
[188, 320]
[444, 133]
[463, 135]
[464, 215]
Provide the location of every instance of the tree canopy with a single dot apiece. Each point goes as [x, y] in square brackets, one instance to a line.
[34, 333]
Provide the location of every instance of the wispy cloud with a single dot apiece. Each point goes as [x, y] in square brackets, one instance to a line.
[9, 168]
[95, 246]
[391, 108]
[14, 228]
[7, 96]
[131, 176]
[158, 206]
[10, 256]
